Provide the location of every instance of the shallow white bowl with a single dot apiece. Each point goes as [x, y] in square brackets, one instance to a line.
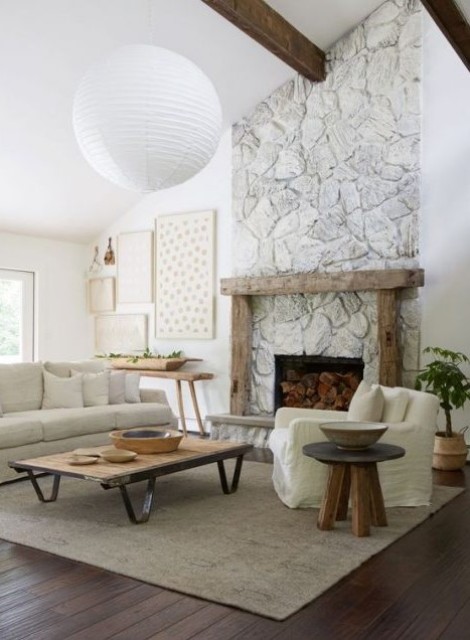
[118, 455]
[353, 435]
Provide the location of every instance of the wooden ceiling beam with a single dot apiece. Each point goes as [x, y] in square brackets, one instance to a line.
[453, 24]
[258, 20]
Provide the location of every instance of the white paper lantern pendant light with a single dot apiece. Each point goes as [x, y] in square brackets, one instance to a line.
[147, 118]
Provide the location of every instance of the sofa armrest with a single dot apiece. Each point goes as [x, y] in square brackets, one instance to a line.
[285, 415]
[153, 395]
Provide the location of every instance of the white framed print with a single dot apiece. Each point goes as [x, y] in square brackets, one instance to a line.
[185, 275]
[135, 267]
[101, 295]
[121, 333]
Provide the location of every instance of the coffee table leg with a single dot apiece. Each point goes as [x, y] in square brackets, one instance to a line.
[38, 490]
[146, 507]
[236, 475]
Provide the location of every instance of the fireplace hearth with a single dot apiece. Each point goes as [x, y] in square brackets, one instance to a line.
[316, 382]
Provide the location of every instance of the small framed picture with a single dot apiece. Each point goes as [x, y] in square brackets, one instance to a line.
[125, 333]
[101, 295]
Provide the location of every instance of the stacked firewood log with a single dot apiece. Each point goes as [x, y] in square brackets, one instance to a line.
[325, 390]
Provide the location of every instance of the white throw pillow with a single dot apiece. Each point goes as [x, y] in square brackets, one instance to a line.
[62, 393]
[95, 388]
[396, 403]
[117, 387]
[367, 404]
[132, 387]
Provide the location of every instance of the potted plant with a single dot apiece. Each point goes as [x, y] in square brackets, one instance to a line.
[444, 377]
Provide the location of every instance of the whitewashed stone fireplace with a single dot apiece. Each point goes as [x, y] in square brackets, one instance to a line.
[326, 179]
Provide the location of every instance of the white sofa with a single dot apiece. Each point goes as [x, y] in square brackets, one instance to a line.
[28, 430]
[300, 481]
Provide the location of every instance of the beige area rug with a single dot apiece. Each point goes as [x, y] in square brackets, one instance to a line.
[246, 549]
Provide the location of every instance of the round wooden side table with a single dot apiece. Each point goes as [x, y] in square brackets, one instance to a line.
[352, 473]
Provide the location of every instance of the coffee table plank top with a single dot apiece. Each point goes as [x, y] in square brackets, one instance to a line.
[190, 453]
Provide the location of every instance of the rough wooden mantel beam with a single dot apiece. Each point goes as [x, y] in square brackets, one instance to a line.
[258, 20]
[453, 24]
[364, 280]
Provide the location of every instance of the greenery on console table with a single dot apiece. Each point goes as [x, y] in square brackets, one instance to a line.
[145, 355]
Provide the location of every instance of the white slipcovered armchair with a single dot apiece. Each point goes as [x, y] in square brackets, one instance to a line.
[410, 415]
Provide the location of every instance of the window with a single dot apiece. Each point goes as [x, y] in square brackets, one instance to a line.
[16, 316]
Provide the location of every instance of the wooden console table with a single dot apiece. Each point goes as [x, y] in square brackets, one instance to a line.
[188, 376]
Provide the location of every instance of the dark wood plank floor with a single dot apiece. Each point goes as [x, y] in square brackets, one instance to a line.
[418, 588]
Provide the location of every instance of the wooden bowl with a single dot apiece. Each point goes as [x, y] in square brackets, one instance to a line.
[353, 435]
[147, 439]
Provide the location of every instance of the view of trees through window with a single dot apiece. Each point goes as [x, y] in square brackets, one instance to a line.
[16, 316]
[10, 318]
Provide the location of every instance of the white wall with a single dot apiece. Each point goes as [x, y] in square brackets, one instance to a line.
[445, 218]
[63, 330]
[210, 189]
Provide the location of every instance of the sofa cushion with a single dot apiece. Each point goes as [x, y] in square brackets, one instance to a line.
[67, 423]
[62, 393]
[132, 387]
[63, 369]
[117, 387]
[95, 387]
[367, 404]
[16, 431]
[124, 387]
[21, 386]
[142, 415]
[396, 401]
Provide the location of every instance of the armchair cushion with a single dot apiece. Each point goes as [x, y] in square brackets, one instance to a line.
[396, 401]
[367, 404]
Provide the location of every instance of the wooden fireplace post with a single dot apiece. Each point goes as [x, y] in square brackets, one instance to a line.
[241, 354]
[390, 364]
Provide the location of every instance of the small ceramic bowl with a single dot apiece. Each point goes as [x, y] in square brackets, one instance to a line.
[118, 455]
[76, 459]
[353, 435]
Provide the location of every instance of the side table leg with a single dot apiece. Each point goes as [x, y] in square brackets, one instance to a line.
[342, 510]
[179, 396]
[331, 498]
[377, 507]
[360, 496]
[196, 407]
[38, 490]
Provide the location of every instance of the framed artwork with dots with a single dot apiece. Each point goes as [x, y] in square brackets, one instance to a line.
[135, 267]
[185, 275]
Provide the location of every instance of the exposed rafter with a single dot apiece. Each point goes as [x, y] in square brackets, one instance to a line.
[453, 24]
[258, 20]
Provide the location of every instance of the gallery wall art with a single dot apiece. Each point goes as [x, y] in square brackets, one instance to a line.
[121, 333]
[101, 295]
[135, 267]
[185, 275]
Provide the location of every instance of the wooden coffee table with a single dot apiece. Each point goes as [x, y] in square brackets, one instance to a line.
[191, 453]
[352, 472]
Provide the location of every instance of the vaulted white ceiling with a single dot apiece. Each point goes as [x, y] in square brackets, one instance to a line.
[46, 46]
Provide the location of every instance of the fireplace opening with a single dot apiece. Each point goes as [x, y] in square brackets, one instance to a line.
[316, 382]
